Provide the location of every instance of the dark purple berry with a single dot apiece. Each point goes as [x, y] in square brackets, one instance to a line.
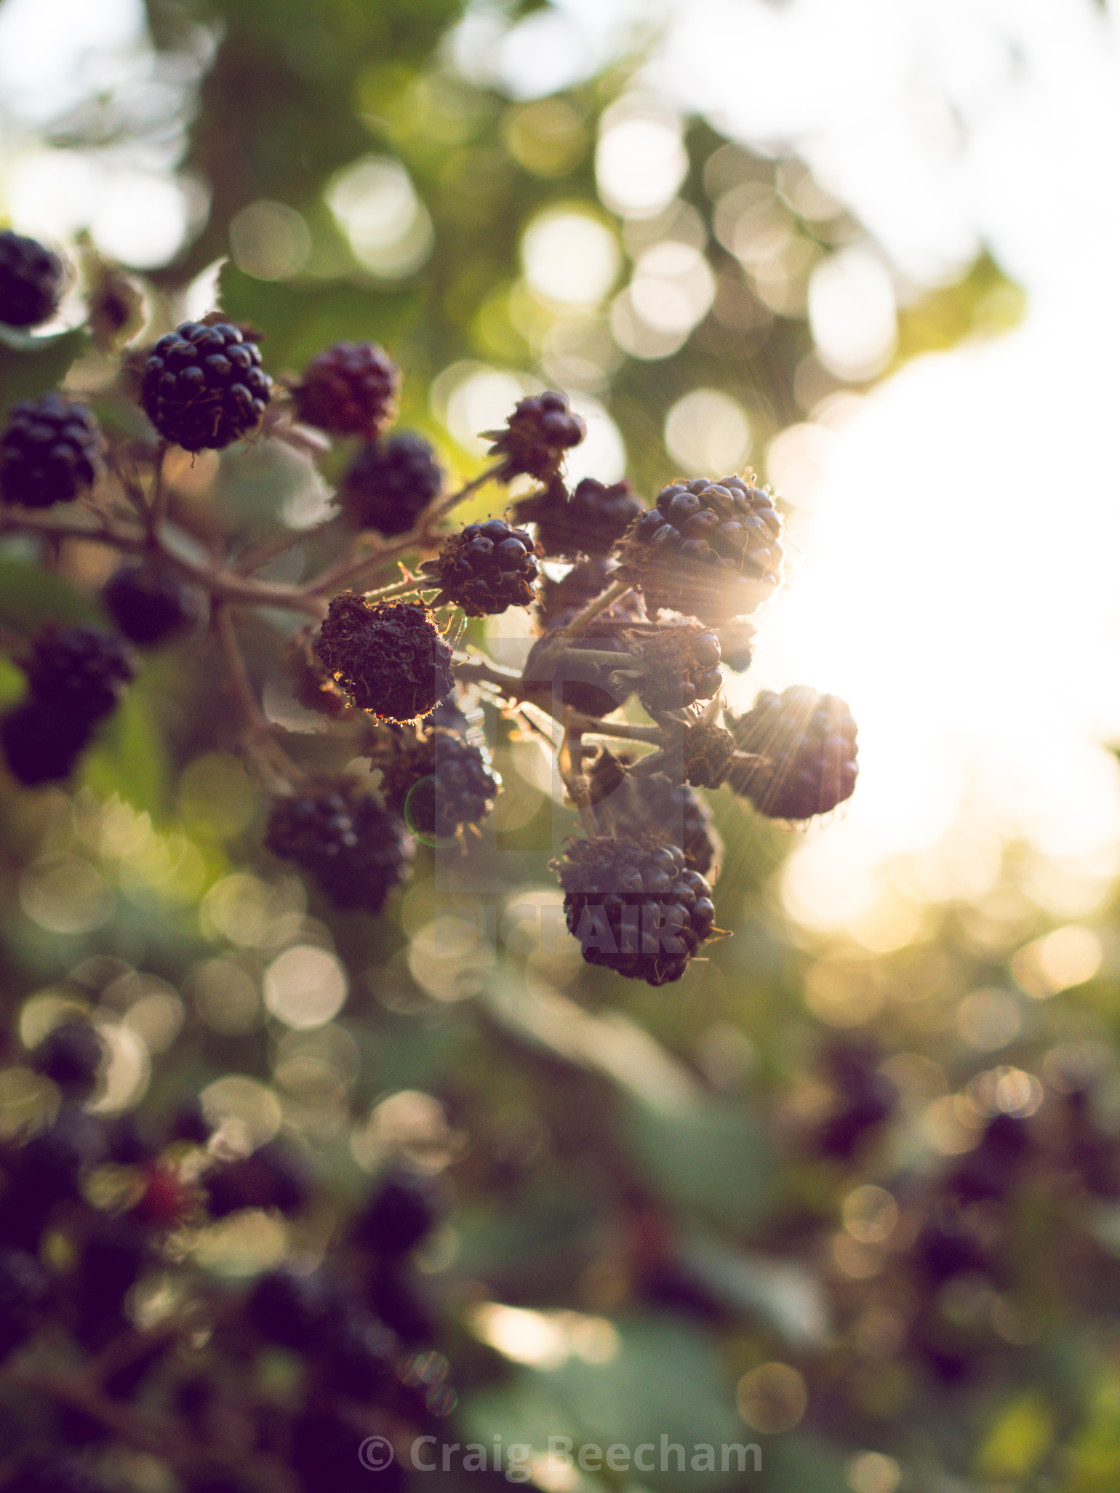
[390, 482]
[31, 280]
[50, 452]
[350, 388]
[203, 386]
[389, 657]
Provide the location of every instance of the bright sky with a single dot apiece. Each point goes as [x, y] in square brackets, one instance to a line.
[956, 530]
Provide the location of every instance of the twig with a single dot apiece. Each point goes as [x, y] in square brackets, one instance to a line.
[257, 737]
[443, 506]
[583, 619]
[590, 726]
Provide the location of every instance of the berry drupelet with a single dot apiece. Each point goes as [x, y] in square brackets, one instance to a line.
[390, 482]
[439, 784]
[806, 743]
[538, 433]
[31, 280]
[709, 549]
[356, 851]
[203, 386]
[590, 522]
[634, 908]
[389, 657]
[50, 452]
[350, 388]
[485, 569]
[150, 604]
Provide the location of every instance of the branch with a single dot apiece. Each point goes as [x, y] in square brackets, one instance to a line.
[583, 619]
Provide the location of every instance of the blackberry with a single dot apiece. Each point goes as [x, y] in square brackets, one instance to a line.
[439, 784]
[709, 549]
[150, 604]
[590, 522]
[31, 280]
[359, 1356]
[707, 753]
[404, 1209]
[399, 1301]
[536, 436]
[864, 1097]
[553, 668]
[736, 642]
[389, 657]
[50, 452]
[390, 482]
[329, 1450]
[80, 669]
[350, 388]
[457, 712]
[680, 665]
[274, 1176]
[42, 741]
[53, 1472]
[639, 803]
[22, 1289]
[807, 745]
[356, 851]
[291, 1309]
[71, 1056]
[485, 569]
[634, 908]
[203, 386]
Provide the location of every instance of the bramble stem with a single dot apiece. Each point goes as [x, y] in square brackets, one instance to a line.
[443, 506]
[621, 729]
[398, 588]
[157, 512]
[257, 738]
[583, 619]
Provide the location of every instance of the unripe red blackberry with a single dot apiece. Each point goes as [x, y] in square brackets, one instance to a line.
[389, 657]
[633, 908]
[203, 386]
[680, 665]
[50, 452]
[31, 280]
[22, 1289]
[438, 784]
[709, 549]
[590, 522]
[390, 482]
[806, 743]
[151, 604]
[79, 669]
[485, 569]
[537, 434]
[403, 1211]
[70, 1055]
[42, 741]
[350, 388]
[356, 851]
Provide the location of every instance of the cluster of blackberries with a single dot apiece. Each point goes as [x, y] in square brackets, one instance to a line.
[802, 747]
[50, 452]
[634, 907]
[485, 568]
[75, 678]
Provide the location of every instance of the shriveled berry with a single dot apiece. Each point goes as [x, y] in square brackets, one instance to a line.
[203, 386]
[390, 482]
[590, 522]
[485, 569]
[439, 784]
[354, 849]
[151, 604]
[71, 1055]
[634, 908]
[680, 665]
[80, 669]
[50, 452]
[711, 550]
[350, 388]
[31, 280]
[389, 657]
[538, 433]
[805, 746]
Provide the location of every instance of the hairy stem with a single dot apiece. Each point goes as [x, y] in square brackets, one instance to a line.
[583, 619]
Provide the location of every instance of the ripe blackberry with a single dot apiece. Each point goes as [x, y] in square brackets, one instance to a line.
[590, 522]
[203, 386]
[709, 549]
[273, 1176]
[42, 741]
[439, 784]
[50, 452]
[22, 1289]
[354, 849]
[640, 803]
[389, 657]
[350, 388]
[458, 712]
[79, 669]
[537, 434]
[404, 1209]
[390, 482]
[807, 745]
[293, 1309]
[633, 908]
[71, 1056]
[680, 665]
[485, 569]
[359, 1356]
[31, 280]
[150, 604]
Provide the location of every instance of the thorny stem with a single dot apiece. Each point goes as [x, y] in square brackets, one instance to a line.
[399, 588]
[583, 619]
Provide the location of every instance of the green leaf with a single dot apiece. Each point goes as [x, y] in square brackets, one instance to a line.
[129, 759]
[30, 366]
[30, 596]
